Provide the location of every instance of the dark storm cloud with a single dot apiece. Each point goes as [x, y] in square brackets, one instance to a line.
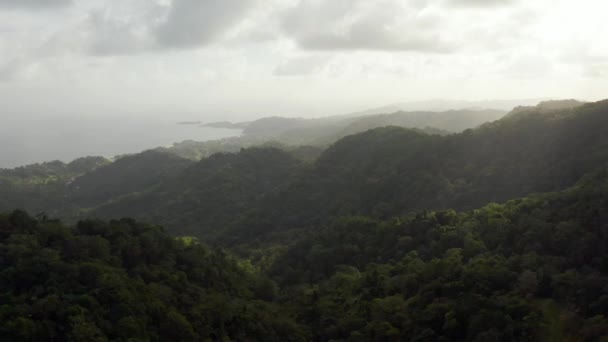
[33, 4]
[193, 23]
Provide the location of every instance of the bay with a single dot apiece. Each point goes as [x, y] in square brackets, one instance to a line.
[26, 141]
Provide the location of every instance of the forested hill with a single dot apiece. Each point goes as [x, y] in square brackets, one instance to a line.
[290, 133]
[211, 193]
[392, 171]
[381, 172]
[38, 186]
[127, 175]
[533, 269]
[128, 281]
[498, 233]
[322, 131]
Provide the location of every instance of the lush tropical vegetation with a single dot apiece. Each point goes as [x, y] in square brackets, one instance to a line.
[127, 281]
[498, 233]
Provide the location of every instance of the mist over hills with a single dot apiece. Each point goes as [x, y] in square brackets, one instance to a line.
[384, 227]
[434, 116]
[293, 132]
[303, 171]
[70, 137]
[451, 116]
[441, 105]
[380, 172]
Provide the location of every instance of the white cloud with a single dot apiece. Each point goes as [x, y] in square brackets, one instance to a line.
[145, 54]
[364, 25]
[34, 4]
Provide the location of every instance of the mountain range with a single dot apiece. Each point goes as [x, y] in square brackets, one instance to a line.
[382, 227]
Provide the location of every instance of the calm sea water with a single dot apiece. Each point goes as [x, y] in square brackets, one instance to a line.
[25, 141]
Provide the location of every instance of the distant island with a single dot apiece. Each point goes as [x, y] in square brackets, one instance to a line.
[226, 124]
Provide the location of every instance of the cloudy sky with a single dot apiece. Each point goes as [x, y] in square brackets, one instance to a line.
[238, 59]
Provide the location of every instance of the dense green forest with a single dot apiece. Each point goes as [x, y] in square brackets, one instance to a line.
[496, 233]
[380, 172]
[531, 269]
[127, 281]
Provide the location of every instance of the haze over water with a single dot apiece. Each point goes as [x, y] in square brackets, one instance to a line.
[27, 140]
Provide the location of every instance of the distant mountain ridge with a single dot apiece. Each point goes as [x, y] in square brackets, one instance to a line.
[289, 133]
[495, 233]
[266, 124]
[548, 106]
[379, 172]
[299, 131]
[440, 105]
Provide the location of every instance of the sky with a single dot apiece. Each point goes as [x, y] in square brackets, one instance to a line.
[243, 59]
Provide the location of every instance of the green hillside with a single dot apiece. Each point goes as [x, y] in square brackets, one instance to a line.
[497, 233]
[127, 281]
[393, 171]
[528, 270]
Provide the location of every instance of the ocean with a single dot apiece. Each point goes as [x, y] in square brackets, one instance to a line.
[26, 141]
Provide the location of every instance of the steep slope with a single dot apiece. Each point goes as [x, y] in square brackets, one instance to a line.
[548, 106]
[530, 269]
[527, 270]
[452, 121]
[382, 172]
[129, 174]
[205, 196]
[391, 171]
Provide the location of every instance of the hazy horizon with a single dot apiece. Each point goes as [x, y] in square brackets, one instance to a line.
[67, 139]
[243, 59]
[123, 61]
[378, 170]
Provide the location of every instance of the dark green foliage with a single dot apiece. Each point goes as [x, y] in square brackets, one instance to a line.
[527, 270]
[522, 271]
[42, 187]
[205, 196]
[380, 173]
[122, 280]
[393, 171]
[357, 244]
[129, 174]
